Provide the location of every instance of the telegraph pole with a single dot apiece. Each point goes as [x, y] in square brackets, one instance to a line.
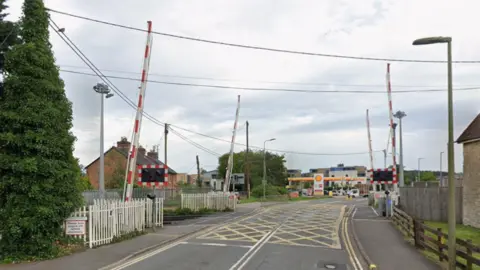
[198, 172]
[166, 143]
[247, 167]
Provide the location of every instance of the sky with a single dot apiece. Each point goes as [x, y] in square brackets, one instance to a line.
[329, 126]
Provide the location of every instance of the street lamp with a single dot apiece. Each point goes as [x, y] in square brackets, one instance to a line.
[418, 177]
[264, 182]
[102, 89]
[400, 115]
[451, 162]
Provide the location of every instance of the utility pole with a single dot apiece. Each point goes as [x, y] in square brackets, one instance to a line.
[441, 172]
[166, 144]
[419, 174]
[198, 173]
[384, 158]
[400, 115]
[247, 166]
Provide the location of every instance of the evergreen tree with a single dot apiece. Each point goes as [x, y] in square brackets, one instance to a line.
[39, 177]
[8, 37]
[8, 34]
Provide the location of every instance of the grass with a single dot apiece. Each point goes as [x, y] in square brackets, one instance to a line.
[462, 232]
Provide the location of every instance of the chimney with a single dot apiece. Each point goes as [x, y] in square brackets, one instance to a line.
[141, 151]
[123, 143]
[153, 154]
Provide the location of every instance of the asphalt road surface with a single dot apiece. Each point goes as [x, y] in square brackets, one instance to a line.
[293, 236]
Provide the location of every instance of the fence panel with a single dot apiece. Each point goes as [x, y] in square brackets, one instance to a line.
[215, 201]
[430, 203]
[110, 218]
[434, 240]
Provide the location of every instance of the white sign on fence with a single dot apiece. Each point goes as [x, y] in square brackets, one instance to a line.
[76, 226]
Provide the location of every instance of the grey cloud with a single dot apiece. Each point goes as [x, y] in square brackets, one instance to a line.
[433, 117]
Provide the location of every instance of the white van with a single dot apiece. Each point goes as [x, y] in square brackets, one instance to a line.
[355, 192]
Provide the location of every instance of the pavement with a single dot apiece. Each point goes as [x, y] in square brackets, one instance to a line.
[383, 244]
[300, 235]
[106, 255]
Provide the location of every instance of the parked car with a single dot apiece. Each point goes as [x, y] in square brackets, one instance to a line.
[355, 193]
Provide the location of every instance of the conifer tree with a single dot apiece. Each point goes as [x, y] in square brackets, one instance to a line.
[39, 176]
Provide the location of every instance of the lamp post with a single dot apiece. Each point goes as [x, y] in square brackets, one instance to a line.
[264, 182]
[400, 115]
[442, 184]
[418, 168]
[102, 89]
[451, 160]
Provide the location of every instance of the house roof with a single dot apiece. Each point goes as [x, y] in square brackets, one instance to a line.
[472, 132]
[141, 160]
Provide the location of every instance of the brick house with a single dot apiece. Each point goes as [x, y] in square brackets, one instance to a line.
[116, 162]
[470, 139]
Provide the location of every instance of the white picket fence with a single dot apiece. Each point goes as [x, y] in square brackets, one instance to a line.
[107, 219]
[216, 201]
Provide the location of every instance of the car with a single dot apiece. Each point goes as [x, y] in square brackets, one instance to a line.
[355, 193]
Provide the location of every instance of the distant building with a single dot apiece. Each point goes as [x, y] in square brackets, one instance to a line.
[294, 173]
[116, 164]
[470, 139]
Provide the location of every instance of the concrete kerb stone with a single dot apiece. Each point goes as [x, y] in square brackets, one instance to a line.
[169, 241]
[359, 245]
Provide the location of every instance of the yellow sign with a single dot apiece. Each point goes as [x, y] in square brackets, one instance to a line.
[318, 177]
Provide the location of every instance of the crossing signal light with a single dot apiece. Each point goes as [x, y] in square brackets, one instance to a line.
[383, 175]
[152, 175]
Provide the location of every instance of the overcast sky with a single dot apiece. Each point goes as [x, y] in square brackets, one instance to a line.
[331, 123]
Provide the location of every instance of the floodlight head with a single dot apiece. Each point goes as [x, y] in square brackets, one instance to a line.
[109, 95]
[101, 88]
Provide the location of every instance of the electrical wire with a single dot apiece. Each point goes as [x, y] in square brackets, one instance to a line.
[197, 145]
[256, 81]
[99, 74]
[305, 91]
[258, 47]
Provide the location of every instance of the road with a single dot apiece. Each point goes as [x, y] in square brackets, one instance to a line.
[302, 235]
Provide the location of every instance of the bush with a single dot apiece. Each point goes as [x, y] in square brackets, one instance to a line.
[270, 190]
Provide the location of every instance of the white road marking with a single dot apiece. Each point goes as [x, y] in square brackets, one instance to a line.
[252, 250]
[354, 212]
[214, 244]
[374, 211]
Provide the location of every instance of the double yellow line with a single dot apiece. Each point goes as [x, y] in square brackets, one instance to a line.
[348, 244]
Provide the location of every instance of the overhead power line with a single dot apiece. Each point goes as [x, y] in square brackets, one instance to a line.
[197, 145]
[244, 46]
[256, 81]
[154, 120]
[270, 89]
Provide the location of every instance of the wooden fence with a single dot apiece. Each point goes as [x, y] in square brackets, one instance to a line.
[216, 201]
[434, 240]
[106, 219]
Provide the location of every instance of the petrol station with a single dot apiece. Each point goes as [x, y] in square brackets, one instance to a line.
[320, 182]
